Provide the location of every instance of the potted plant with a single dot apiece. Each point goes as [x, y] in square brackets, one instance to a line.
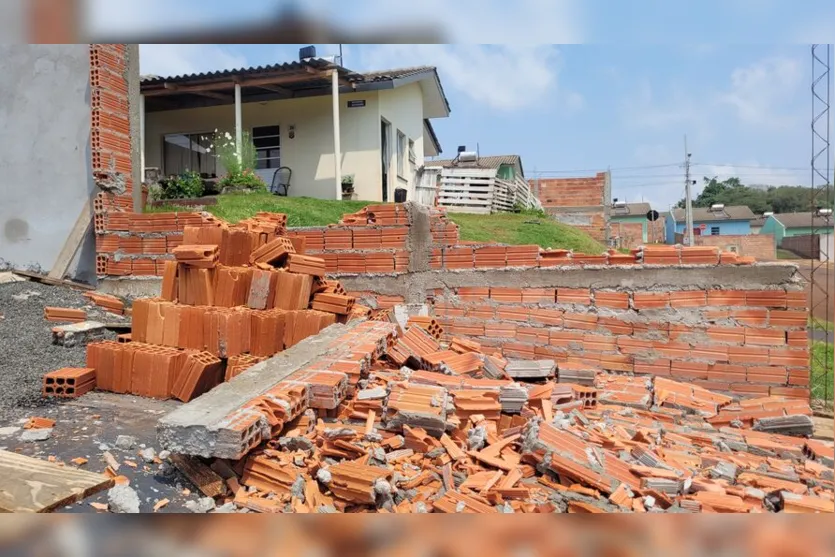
[348, 184]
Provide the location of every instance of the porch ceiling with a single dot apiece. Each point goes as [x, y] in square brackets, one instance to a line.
[276, 82]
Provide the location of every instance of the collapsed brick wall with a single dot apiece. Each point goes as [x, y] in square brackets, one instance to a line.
[580, 202]
[760, 246]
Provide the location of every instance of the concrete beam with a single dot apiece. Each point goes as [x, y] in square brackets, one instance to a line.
[200, 428]
[634, 277]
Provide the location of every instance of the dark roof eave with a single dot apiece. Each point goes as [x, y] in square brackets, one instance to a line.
[432, 135]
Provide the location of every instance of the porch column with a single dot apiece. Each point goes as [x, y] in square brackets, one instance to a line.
[337, 148]
[239, 131]
[142, 137]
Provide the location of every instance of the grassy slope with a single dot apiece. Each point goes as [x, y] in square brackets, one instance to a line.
[504, 228]
[524, 229]
[820, 383]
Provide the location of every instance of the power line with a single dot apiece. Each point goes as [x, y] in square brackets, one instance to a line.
[678, 164]
[750, 166]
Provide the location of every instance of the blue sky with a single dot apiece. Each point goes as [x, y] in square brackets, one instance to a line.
[733, 76]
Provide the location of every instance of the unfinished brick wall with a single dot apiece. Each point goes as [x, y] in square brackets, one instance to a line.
[580, 202]
[747, 342]
[627, 235]
[760, 246]
[127, 243]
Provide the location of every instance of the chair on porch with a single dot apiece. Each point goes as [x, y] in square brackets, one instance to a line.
[280, 184]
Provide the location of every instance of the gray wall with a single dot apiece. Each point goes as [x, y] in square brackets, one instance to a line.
[45, 166]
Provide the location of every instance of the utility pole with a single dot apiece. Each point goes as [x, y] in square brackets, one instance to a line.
[688, 202]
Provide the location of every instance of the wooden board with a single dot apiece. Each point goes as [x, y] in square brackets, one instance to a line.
[32, 485]
[203, 477]
[73, 242]
[51, 281]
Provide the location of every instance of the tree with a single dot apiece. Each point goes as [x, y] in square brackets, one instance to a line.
[778, 199]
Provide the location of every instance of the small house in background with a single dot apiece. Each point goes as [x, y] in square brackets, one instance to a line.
[507, 167]
[475, 184]
[787, 225]
[757, 223]
[629, 226]
[716, 220]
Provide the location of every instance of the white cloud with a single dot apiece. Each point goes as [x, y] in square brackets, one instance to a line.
[506, 77]
[752, 174]
[647, 109]
[759, 92]
[177, 59]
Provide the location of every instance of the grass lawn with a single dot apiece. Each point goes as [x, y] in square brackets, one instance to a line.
[510, 228]
[304, 211]
[786, 254]
[821, 382]
[301, 211]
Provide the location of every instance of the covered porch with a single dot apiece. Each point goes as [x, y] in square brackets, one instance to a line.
[178, 116]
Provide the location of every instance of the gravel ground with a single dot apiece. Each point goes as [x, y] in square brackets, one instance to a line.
[26, 349]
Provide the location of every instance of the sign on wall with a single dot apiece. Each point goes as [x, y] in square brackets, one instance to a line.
[358, 103]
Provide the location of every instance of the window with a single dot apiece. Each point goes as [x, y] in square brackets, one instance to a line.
[412, 157]
[267, 141]
[182, 152]
[714, 231]
[401, 154]
[505, 172]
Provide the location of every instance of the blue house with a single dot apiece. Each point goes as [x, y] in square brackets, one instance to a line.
[717, 220]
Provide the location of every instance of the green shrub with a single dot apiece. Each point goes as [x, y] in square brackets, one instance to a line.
[243, 180]
[187, 185]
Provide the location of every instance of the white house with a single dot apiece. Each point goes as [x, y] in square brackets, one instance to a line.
[321, 120]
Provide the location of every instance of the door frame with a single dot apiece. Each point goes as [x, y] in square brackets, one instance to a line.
[385, 157]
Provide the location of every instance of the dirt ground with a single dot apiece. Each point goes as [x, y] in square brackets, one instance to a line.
[824, 284]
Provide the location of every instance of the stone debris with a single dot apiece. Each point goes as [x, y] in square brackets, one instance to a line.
[123, 499]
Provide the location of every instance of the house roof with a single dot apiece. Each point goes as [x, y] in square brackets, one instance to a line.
[802, 220]
[308, 77]
[704, 214]
[631, 210]
[758, 221]
[492, 162]
[430, 131]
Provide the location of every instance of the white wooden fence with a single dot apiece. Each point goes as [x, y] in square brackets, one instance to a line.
[473, 190]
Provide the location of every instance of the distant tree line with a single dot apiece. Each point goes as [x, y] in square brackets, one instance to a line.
[777, 199]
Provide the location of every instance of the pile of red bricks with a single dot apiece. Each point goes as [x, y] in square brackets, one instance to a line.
[748, 342]
[232, 295]
[356, 431]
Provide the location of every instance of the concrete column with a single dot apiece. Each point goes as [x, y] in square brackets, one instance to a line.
[337, 148]
[142, 136]
[239, 130]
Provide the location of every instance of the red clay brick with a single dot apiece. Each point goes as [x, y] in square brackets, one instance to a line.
[614, 300]
[767, 374]
[751, 317]
[726, 372]
[748, 355]
[473, 293]
[688, 371]
[688, 298]
[749, 389]
[710, 352]
[674, 350]
[788, 318]
[539, 295]
[787, 357]
[650, 300]
[581, 296]
[790, 392]
[513, 313]
[796, 300]
[599, 343]
[507, 295]
[617, 362]
[653, 367]
[581, 321]
[551, 317]
[726, 298]
[615, 326]
[765, 337]
[566, 338]
[732, 335]
[629, 345]
[766, 298]
[500, 330]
